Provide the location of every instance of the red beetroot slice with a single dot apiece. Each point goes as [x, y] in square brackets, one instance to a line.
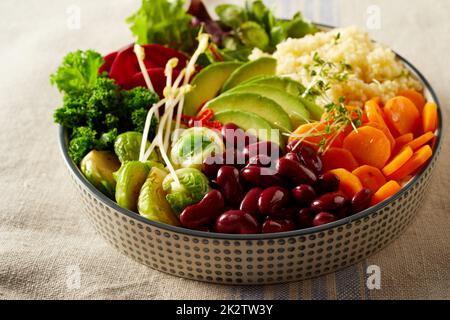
[126, 65]
[157, 77]
[109, 60]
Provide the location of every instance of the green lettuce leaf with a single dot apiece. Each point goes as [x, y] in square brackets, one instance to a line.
[163, 22]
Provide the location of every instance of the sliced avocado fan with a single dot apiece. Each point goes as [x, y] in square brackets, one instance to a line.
[266, 108]
[259, 67]
[207, 84]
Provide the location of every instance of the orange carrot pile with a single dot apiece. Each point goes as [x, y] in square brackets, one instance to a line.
[392, 143]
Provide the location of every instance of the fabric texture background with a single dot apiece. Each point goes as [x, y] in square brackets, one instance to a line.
[46, 241]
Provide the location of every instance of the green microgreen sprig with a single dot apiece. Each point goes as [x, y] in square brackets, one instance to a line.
[337, 117]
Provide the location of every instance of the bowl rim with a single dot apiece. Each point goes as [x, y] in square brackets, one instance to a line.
[251, 237]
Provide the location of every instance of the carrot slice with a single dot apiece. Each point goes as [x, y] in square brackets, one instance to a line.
[402, 141]
[336, 158]
[385, 192]
[370, 177]
[398, 161]
[385, 130]
[430, 117]
[403, 115]
[369, 146]
[416, 97]
[315, 132]
[421, 141]
[419, 158]
[373, 112]
[349, 184]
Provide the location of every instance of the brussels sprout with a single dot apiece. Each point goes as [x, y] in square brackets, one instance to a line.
[194, 185]
[128, 145]
[98, 168]
[130, 178]
[253, 35]
[231, 15]
[152, 202]
[194, 145]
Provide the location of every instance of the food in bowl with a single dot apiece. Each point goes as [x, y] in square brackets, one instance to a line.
[187, 127]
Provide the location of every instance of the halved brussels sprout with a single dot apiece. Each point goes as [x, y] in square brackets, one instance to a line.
[152, 202]
[130, 178]
[194, 185]
[98, 168]
[253, 35]
[128, 145]
[195, 145]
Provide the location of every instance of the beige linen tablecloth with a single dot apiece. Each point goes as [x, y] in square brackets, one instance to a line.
[49, 250]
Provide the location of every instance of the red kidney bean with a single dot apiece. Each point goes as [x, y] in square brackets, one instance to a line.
[237, 222]
[235, 137]
[304, 195]
[305, 217]
[361, 201]
[329, 202]
[214, 185]
[234, 158]
[323, 218]
[292, 156]
[203, 213]
[266, 148]
[273, 200]
[288, 213]
[310, 159]
[211, 165]
[327, 182]
[228, 180]
[260, 177]
[275, 226]
[260, 161]
[342, 213]
[250, 202]
[295, 172]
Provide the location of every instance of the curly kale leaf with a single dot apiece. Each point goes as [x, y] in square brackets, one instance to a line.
[137, 102]
[94, 108]
[106, 140]
[78, 72]
[83, 140]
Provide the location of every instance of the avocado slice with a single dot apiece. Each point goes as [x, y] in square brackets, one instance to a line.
[283, 83]
[291, 104]
[259, 67]
[266, 108]
[249, 121]
[292, 87]
[207, 84]
[152, 202]
[315, 111]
